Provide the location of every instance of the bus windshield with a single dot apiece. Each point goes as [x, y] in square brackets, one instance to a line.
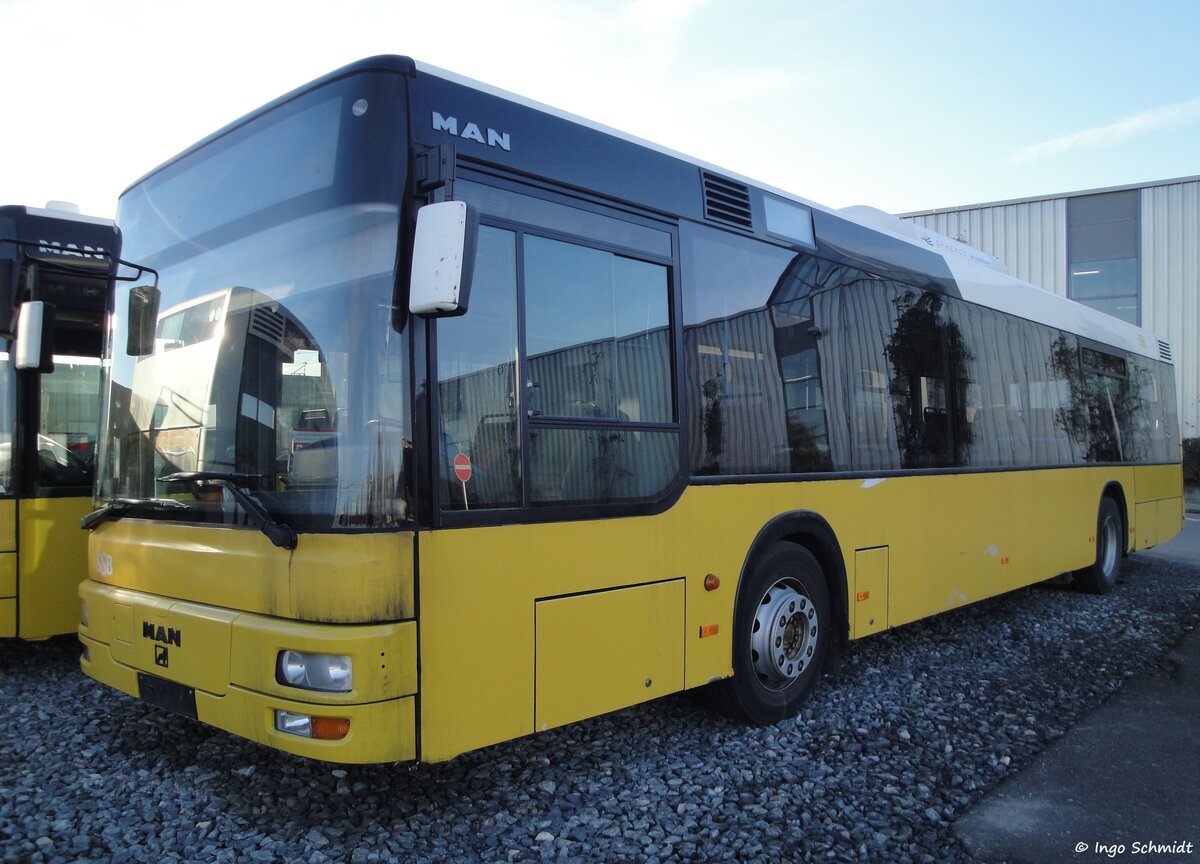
[275, 363]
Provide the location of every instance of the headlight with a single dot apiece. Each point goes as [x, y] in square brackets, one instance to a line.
[331, 672]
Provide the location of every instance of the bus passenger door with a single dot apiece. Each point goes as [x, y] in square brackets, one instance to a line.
[60, 446]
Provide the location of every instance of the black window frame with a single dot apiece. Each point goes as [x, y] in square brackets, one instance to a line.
[528, 512]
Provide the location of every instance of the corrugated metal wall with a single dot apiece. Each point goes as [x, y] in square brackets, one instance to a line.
[1171, 284]
[1030, 237]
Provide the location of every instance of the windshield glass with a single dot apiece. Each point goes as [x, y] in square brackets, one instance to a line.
[275, 363]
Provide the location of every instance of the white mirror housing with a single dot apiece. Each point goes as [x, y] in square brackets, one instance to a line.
[35, 321]
[443, 259]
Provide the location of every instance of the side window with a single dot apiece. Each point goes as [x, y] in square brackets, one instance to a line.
[929, 359]
[556, 387]
[597, 334]
[1169, 446]
[995, 401]
[477, 385]
[754, 316]
[599, 366]
[865, 439]
[1106, 390]
[1046, 398]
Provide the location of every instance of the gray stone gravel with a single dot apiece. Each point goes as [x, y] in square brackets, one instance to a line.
[918, 725]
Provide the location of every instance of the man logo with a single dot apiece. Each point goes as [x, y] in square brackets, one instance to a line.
[165, 635]
[160, 656]
[472, 131]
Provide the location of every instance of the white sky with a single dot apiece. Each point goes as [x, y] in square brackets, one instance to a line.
[902, 105]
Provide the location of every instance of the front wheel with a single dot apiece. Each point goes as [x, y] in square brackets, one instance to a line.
[781, 634]
[1101, 576]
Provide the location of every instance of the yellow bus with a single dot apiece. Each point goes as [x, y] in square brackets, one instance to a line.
[56, 267]
[455, 418]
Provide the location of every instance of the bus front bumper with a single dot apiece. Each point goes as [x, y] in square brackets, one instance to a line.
[220, 667]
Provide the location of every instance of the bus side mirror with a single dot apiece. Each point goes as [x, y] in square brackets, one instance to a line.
[35, 336]
[143, 320]
[443, 259]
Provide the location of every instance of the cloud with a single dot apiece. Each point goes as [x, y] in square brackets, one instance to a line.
[1114, 133]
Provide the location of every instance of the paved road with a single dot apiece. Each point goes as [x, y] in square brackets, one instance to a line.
[1122, 784]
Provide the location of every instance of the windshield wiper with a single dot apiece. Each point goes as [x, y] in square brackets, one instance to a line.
[279, 533]
[114, 508]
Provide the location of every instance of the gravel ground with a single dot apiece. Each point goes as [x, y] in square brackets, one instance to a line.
[920, 723]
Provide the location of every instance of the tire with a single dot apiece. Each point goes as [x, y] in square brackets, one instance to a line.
[781, 632]
[1101, 576]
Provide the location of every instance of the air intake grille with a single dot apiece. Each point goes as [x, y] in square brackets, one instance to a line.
[268, 325]
[727, 202]
[1164, 350]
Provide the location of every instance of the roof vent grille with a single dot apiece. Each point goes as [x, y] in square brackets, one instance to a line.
[1164, 350]
[267, 324]
[727, 202]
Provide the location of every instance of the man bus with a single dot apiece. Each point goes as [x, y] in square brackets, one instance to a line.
[520, 421]
[56, 268]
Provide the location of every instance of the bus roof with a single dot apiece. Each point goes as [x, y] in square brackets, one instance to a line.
[624, 167]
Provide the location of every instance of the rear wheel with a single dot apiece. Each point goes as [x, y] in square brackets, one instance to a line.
[1101, 576]
[781, 634]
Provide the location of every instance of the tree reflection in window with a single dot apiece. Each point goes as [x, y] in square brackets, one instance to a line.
[929, 361]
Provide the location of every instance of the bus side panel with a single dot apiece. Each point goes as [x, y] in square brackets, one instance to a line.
[1159, 508]
[8, 568]
[989, 533]
[478, 598]
[53, 561]
[951, 539]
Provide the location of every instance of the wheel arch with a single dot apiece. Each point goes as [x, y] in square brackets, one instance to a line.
[809, 530]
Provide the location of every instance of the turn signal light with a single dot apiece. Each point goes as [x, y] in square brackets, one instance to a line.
[330, 728]
[305, 726]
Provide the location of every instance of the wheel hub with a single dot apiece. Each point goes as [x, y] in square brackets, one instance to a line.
[784, 635]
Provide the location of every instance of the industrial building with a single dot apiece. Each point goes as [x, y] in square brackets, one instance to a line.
[1130, 251]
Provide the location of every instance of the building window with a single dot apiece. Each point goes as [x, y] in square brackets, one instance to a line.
[1102, 247]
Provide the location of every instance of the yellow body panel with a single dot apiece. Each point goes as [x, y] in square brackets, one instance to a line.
[8, 617]
[528, 626]
[869, 592]
[606, 650]
[1158, 513]
[330, 578]
[41, 579]
[1158, 482]
[8, 525]
[229, 659]
[8, 568]
[8, 575]
[951, 540]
